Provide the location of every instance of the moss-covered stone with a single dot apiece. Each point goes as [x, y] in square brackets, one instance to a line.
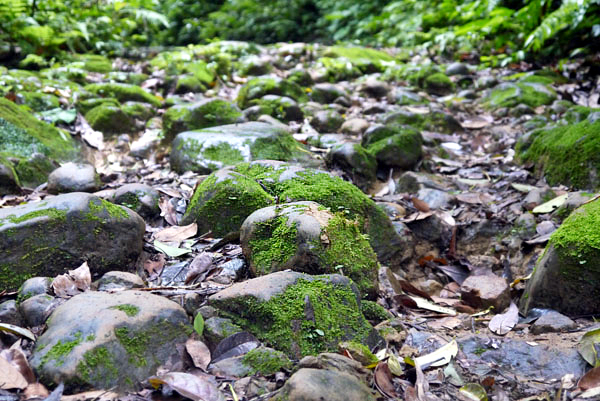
[266, 361]
[438, 84]
[337, 69]
[189, 83]
[532, 94]
[123, 93]
[38, 101]
[267, 85]
[110, 120]
[223, 200]
[305, 318]
[206, 113]
[366, 59]
[33, 144]
[401, 150]
[85, 105]
[568, 155]
[374, 312]
[569, 266]
[281, 107]
[137, 110]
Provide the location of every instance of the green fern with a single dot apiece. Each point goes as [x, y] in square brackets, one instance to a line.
[569, 14]
[149, 17]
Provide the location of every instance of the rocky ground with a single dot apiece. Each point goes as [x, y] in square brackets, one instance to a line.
[299, 222]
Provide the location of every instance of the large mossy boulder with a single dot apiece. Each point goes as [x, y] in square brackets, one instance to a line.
[296, 313]
[35, 148]
[402, 150]
[203, 114]
[532, 90]
[568, 154]
[222, 201]
[123, 93]
[110, 120]
[569, 267]
[258, 87]
[110, 340]
[48, 238]
[306, 237]
[210, 149]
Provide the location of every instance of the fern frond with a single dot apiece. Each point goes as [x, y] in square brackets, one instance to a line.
[570, 13]
[148, 16]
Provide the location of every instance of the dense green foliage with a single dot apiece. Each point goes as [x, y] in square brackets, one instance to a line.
[502, 29]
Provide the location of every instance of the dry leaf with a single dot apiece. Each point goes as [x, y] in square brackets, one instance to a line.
[439, 357]
[504, 322]
[420, 205]
[176, 234]
[167, 210]
[10, 328]
[383, 380]
[199, 267]
[154, 264]
[590, 380]
[82, 277]
[72, 283]
[190, 386]
[95, 395]
[199, 353]
[10, 377]
[477, 122]
[36, 390]
[17, 358]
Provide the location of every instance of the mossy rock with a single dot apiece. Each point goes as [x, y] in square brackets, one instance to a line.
[296, 313]
[438, 84]
[203, 114]
[9, 181]
[282, 108]
[48, 238]
[533, 94]
[110, 340]
[110, 120]
[138, 110]
[35, 146]
[221, 196]
[336, 69]
[435, 120]
[38, 101]
[269, 85]
[210, 149]
[402, 150]
[569, 267]
[356, 162]
[123, 93]
[306, 237]
[85, 105]
[568, 154]
[189, 83]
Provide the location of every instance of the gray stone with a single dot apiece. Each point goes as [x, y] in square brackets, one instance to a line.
[141, 198]
[552, 322]
[487, 290]
[35, 286]
[327, 121]
[9, 313]
[73, 177]
[35, 310]
[327, 93]
[320, 384]
[255, 65]
[486, 81]
[145, 144]
[102, 340]
[118, 280]
[359, 165]
[436, 199]
[520, 110]
[9, 184]
[457, 69]
[354, 126]
[405, 97]
[403, 150]
[216, 329]
[47, 238]
[210, 149]
[433, 229]
[280, 107]
[374, 88]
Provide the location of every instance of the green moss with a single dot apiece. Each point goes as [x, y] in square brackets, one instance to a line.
[402, 150]
[579, 236]
[438, 83]
[61, 350]
[10, 278]
[362, 351]
[275, 243]
[349, 251]
[130, 310]
[223, 152]
[222, 205]
[568, 155]
[258, 87]
[39, 101]
[266, 362]
[373, 311]
[109, 119]
[85, 105]
[189, 83]
[101, 206]
[136, 346]
[281, 146]
[98, 365]
[529, 93]
[339, 69]
[282, 323]
[123, 92]
[51, 213]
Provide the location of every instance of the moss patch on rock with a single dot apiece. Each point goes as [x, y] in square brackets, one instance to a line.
[260, 86]
[568, 155]
[265, 361]
[109, 119]
[123, 92]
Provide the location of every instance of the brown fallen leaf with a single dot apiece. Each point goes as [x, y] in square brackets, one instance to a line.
[154, 264]
[504, 322]
[199, 353]
[35, 390]
[190, 386]
[408, 287]
[167, 210]
[16, 357]
[95, 395]
[72, 283]
[176, 234]
[199, 267]
[590, 380]
[420, 205]
[82, 277]
[11, 378]
[383, 380]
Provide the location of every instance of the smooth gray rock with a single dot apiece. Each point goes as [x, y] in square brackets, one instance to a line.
[102, 340]
[551, 322]
[374, 88]
[321, 384]
[35, 286]
[73, 177]
[354, 126]
[327, 93]
[35, 310]
[50, 237]
[9, 313]
[483, 291]
[327, 121]
[457, 69]
[216, 329]
[141, 198]
[359, 165]
[118, 280]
